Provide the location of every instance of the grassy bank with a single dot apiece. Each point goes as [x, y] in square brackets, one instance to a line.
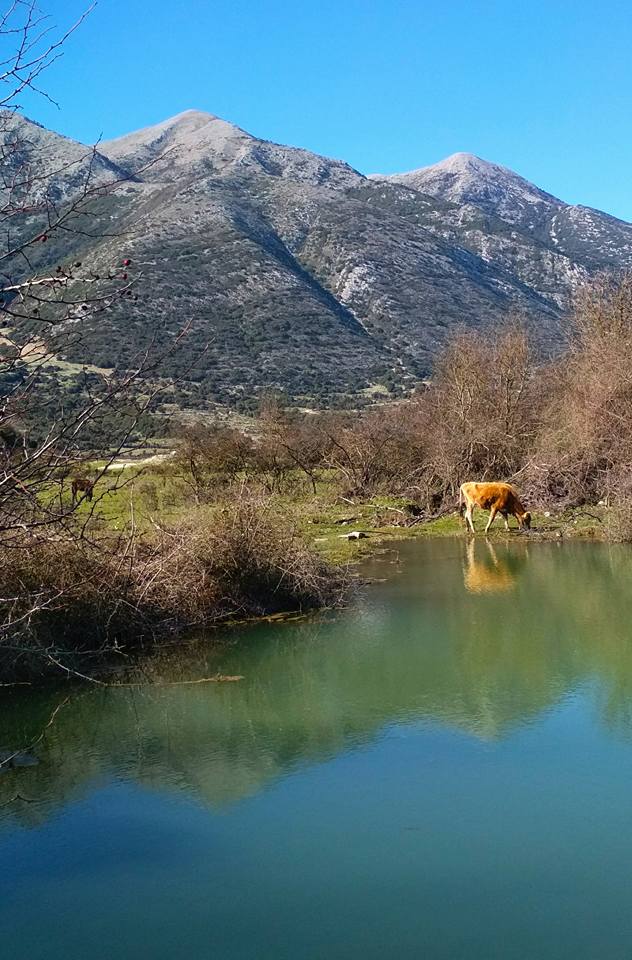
[323, 519]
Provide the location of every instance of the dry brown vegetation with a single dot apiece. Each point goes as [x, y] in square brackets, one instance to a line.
[68, 604]
[585, 437]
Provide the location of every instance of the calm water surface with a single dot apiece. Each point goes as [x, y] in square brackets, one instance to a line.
[442, 771]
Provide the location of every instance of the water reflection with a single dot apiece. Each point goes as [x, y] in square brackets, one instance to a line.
[487, 572]
[416, 649]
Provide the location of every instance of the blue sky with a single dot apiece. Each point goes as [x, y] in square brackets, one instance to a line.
[387, 85]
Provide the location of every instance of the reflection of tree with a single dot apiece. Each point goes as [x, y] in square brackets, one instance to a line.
[420, 650]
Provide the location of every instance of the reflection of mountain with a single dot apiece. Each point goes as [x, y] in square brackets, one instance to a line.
[416, 649]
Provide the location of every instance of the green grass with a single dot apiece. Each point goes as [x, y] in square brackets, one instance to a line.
[156, 494]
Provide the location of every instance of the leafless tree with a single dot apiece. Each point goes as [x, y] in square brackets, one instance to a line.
[49, 294]
[51, 212]
[480, 409]
[585, 449]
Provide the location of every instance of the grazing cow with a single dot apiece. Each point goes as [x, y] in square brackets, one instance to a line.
[497, 498]
[83, 485]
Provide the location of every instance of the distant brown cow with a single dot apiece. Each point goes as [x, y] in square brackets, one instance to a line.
[83, 485]
[497, 498]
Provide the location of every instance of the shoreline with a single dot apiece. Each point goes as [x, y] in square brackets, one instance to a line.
[327, 533]
[576, 524]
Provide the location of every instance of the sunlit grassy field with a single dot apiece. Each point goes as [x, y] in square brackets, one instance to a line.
[155, 496]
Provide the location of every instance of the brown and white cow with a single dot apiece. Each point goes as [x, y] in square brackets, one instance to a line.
[497, 498]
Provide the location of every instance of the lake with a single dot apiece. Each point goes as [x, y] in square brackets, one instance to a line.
[441, 771]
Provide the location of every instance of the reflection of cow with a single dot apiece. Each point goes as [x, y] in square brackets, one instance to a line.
[83, 485]
[497, 498]
[489, 575]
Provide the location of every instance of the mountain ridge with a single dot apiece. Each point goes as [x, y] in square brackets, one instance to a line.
[461, 161]
[303, 274]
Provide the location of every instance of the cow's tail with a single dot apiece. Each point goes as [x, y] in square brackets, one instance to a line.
[461, 501]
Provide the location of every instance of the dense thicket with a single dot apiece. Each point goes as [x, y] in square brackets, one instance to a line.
[70, 603]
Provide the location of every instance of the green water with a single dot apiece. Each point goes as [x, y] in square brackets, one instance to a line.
[444, 770]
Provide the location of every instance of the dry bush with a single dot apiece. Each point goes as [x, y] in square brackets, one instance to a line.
[292, 447]
[61, 598]
[481, 408]
[585, 448]
[210, 457]
[288, 451]
[246, 561]
[379, 451]
[67, 603]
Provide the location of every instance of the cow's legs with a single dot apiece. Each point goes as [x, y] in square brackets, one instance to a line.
[492, 517]
[506, 519]
[492, 552]
[469, 512]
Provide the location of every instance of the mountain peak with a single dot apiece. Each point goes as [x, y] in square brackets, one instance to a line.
[194, 143]
[460, 161]
[184, 138]
[464, 178]
[187, 119]
[467, 165]
[192, 112]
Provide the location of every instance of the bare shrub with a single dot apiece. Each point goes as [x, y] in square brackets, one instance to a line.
[480, 407]
[211, 457]
[64, 599]
[376, 452]
[292, 447]
[585, 446]
[68, 603]
[287, 450]
[245, 561]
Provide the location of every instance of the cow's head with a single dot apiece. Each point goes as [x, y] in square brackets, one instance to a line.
[525, 520]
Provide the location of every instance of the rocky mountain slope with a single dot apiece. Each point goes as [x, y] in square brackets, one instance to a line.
[296, 271]
[588, 238]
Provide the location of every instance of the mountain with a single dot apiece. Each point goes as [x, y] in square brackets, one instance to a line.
[464, 178]
[193, 144]
[593, 239]
[296, 271]
[51, 163]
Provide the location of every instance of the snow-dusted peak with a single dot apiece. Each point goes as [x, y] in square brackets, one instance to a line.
[465, 178]
[201, 116]
[194, 142]
[185, 136]
[458, 162]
